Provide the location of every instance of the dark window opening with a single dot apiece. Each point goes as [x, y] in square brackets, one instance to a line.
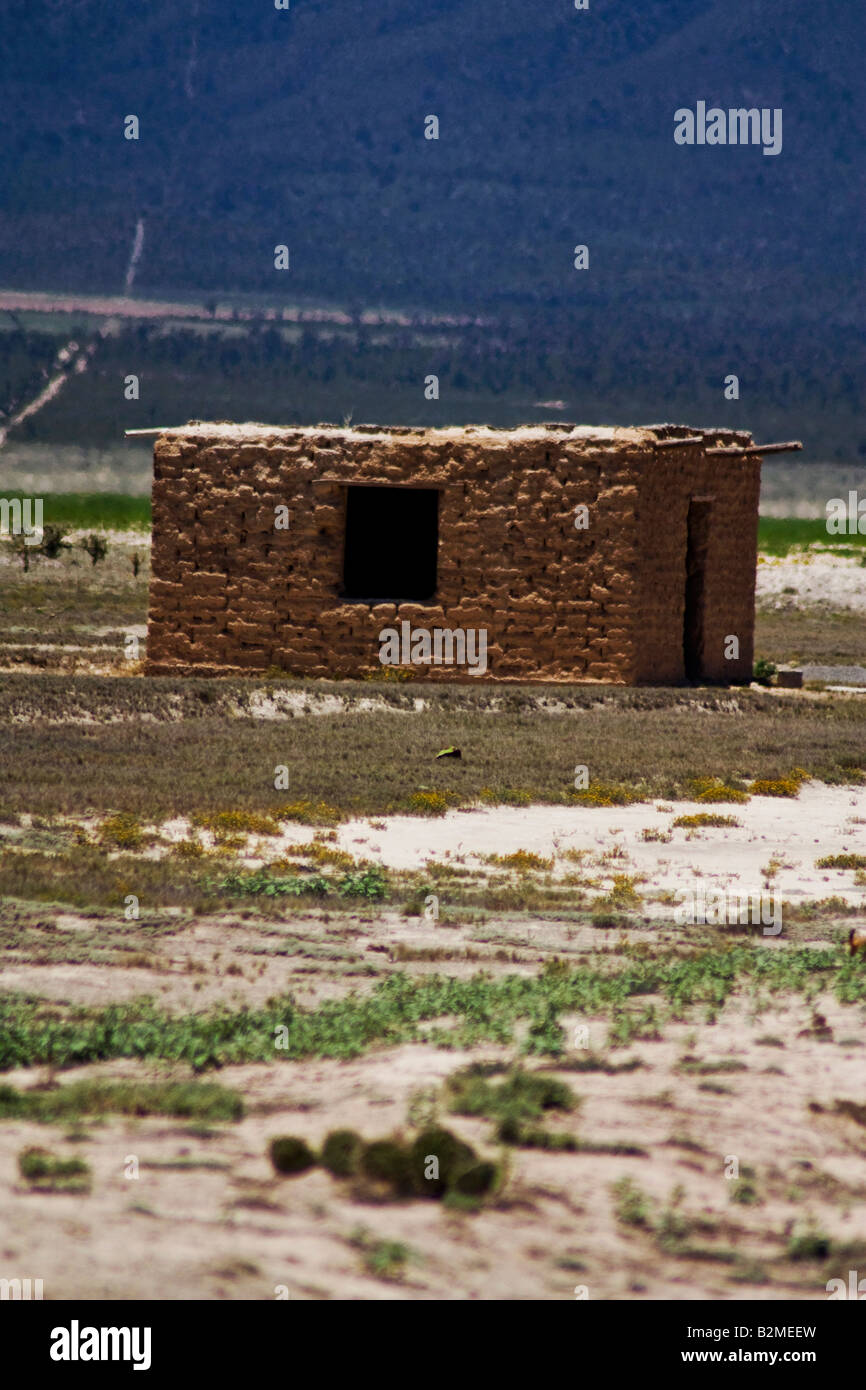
[696, 565]
[392, 536]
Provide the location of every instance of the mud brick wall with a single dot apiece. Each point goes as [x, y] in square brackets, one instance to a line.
[731, 489]
[230, 593]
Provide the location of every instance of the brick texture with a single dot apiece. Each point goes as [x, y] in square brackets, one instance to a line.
[232, 593]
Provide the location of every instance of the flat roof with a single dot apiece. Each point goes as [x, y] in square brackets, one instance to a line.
[251, 432]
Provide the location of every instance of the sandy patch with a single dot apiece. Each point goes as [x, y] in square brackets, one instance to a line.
[283, 704]
[773, 848]
[796, 832]
[836, 580]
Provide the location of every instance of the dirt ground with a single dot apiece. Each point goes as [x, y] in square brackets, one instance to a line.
[714, 1149]
[728, 1127]
[208, 1218]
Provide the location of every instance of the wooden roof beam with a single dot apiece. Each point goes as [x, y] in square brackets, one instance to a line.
[791, 446]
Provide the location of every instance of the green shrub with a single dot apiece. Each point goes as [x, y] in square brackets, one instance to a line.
[623, 893]
[781, 786]
[453, 1156]
[704, 820]
[507, 796]
[764, 671]
[632, 1205]
[536, 1137]
[309, 813]
[545, 1036]
[744, 1193]
[714, 789]
[385, 1161]
[45, 1171]
[429, 803]
[609, 920]
[672, 1227]
[291, 1155]
[477, 1181]
[605, 794]
[263, 884]
[807, 1243]
[341, 1152]
[369, 883]
[188, 849]
[233, 822]
[122, 830]
[93, 1096]
[385, 1259]
[320, 854]
[523, 860]
[521, 1097]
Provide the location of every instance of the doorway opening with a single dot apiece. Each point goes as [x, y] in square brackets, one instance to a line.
[697, 545]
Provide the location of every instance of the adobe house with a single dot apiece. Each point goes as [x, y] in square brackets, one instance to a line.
[546, 553]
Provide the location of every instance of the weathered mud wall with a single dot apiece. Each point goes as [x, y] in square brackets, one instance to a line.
[730, 487]
[232, 591]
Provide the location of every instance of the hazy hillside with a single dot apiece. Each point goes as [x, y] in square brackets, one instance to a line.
[305, 126]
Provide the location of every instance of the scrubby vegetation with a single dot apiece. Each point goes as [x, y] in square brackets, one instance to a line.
[436, 1164]
[401, 1008]
[714, 789]
[188, 1099]
[704, 820]
[513, 1103]
[46, 1172]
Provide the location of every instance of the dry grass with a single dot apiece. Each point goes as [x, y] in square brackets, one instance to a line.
[163, 747]
[68, 603]
[812, 634]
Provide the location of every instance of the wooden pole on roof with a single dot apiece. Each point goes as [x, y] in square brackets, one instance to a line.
[744, 452]
[162, 429]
